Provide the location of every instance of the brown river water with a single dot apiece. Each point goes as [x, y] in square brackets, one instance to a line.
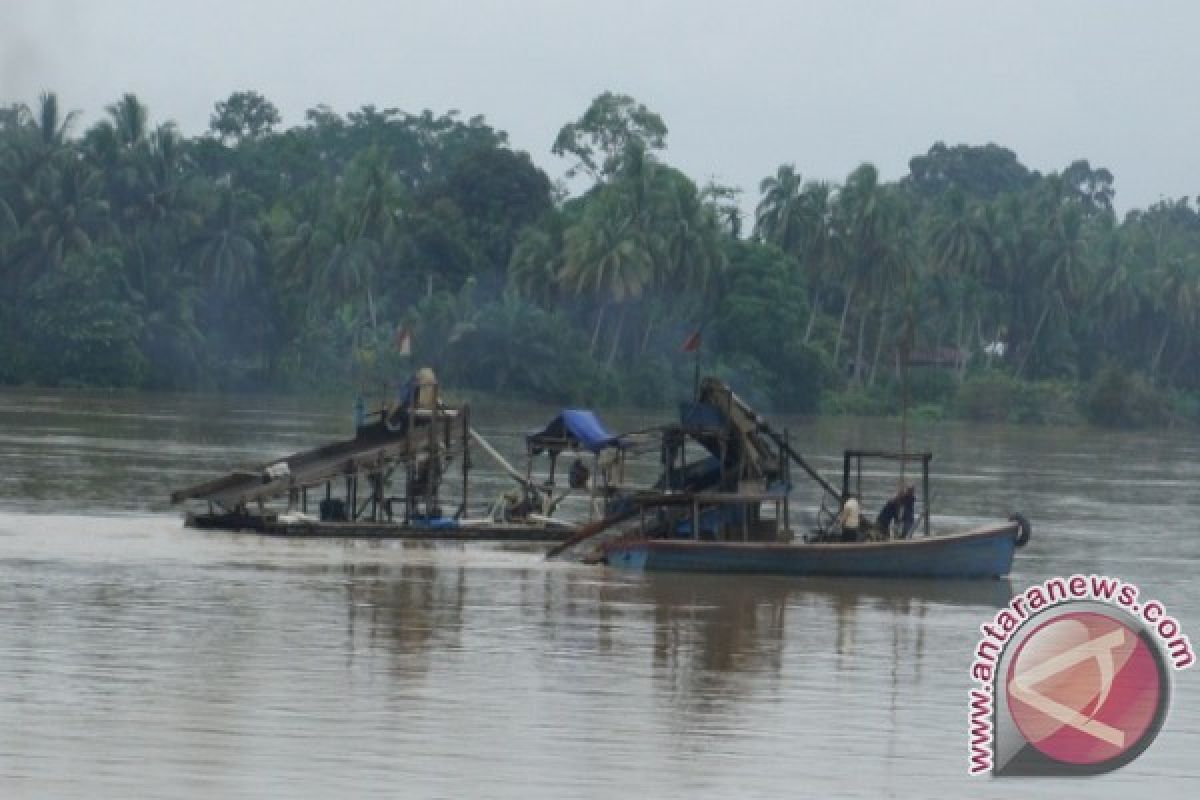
[140, 659]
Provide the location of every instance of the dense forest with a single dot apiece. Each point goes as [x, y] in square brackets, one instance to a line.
[252, 257]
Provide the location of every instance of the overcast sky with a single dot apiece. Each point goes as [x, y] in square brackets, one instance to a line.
[743, 86]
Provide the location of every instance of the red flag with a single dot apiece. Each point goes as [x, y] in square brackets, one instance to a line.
[692, 343]
[404, 340]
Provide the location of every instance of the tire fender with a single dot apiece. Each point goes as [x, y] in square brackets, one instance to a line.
[1024, 528]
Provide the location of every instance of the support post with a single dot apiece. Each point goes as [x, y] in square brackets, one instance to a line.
[466, 455]
[376, 480]
[434, 465]
[408, 487]
[787, 490]
[845, 475]
[925, 490]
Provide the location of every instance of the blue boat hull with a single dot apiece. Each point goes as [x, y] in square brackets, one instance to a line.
[983, 553]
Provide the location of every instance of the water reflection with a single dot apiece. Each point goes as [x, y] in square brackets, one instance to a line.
[709, 640]
[705, 626]
[412, 612]
[139, 659]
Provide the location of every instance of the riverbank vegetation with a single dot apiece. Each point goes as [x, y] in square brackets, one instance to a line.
[256, 257]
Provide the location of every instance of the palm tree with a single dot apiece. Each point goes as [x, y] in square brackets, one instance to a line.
[8, 222]
[536, 262]
[68, 218]
[865, 221]
[820, 248]
[1011, 274]
[301, 249]
[795, 217]
[604, 256]
[39, 145]
[374, 197]
[893, 283]
[960, 247]
[1117, 296]
[164, 292]
[130, 121]
[351, 268]
[227, 249]
[1179, 296]
[165, 195]
[780, 217]
[691, 240]
[49, 123]
[1063, 259]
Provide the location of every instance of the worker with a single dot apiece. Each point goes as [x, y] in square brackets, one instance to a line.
[578, 477]
[908, 512]
[887, 515]
[850, 519]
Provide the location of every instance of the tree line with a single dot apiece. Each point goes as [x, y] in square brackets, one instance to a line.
[254, 257]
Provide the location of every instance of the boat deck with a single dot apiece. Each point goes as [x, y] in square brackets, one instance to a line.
[271, 525]
[374, 446]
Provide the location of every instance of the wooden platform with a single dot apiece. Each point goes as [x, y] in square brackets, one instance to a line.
[374, 448]
[270, 525]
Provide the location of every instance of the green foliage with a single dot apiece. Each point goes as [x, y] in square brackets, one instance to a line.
[862, 402]
[987, 397]
[1119, 399]
[658, 381]
[1047, 403]
[612, 126]
[253, 257]
[245, 115]
[804, 372]
[993, 396]
[761, 319]
[762, 305]
[981, 172]
[518, 349]
[79, 332]
[929, 412]
[1184, 407]
[929, 385]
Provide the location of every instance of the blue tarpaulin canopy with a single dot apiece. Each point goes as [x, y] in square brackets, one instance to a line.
[572, 429]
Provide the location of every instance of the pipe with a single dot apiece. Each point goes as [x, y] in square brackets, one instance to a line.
[499, 459]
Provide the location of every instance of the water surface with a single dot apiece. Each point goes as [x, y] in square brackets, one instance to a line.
[141, 659]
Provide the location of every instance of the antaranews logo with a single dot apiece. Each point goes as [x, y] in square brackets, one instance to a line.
[1073, 678]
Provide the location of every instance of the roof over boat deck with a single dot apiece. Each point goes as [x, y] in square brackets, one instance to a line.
[573, 429]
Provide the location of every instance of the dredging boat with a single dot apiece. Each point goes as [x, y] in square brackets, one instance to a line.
[730, 511]
[389, 481]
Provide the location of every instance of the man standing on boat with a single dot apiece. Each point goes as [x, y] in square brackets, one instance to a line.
[908, 512]
[887, 515]
[850, 519]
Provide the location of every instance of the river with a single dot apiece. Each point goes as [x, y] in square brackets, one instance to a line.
[141, 659]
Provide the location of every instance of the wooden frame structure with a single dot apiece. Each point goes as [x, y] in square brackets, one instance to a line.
[852, 468]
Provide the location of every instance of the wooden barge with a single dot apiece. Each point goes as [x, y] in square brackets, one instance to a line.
[729, 512]
[285, 525]
[386, 482]
[982, 553]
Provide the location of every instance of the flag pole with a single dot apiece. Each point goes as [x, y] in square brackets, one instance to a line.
[692, 345]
